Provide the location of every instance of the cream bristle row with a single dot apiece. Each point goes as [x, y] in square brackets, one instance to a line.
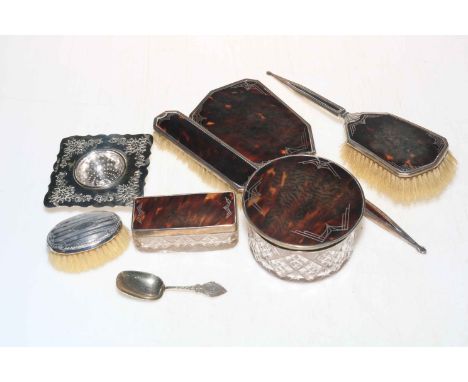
[403, 190]
[94, 258]
[206, 175]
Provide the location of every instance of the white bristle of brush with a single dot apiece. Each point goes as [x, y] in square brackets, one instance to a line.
[86, 260]
[427, 185]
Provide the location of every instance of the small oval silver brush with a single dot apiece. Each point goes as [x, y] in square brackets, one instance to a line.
[86, 241]
[399, 158]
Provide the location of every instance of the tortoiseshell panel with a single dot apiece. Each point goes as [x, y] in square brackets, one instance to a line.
[303, 202]
[208, 150]
[401, 145]
[184, 211]
[253, 121]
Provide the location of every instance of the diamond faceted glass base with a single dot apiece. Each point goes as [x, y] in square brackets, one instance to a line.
[300, 265]
[188, 243]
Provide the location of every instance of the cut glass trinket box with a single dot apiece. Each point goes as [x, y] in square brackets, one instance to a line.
[193, 222]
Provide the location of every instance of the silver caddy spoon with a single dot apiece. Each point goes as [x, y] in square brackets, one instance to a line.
[150, 287]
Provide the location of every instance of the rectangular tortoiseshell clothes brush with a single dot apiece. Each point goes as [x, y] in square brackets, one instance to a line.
[399, 158]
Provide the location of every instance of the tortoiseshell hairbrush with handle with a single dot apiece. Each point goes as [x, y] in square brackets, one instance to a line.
[399, 158]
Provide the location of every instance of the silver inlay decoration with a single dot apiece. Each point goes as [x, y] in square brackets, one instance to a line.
[84, 232]
[344, 226]
[100, 168]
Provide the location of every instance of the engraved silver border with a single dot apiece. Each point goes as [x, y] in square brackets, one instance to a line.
[196, 111]
[351, 118]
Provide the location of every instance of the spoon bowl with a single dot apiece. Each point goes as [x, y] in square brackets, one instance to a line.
[140, 284]
[150, 287]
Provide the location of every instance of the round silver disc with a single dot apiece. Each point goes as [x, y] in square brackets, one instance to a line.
[100, 168]
[84, 232]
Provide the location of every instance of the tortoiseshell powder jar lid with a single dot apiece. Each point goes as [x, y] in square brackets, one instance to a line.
[303, 202]
[185, 222]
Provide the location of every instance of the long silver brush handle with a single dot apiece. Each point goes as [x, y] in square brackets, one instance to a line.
[332, 107]
[371, 211]
[378, 216]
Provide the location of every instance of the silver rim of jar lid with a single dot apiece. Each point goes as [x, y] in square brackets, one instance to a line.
[84, 232]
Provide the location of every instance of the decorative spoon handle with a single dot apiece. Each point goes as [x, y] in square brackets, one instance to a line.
[378, 216]
[211, 289]
[332, 107]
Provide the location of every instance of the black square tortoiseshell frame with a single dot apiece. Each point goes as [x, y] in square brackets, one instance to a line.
[64, 190]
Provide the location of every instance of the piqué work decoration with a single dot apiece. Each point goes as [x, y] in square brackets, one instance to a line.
[101, 170]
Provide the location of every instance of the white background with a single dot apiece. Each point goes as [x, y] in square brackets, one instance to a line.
[386, 294]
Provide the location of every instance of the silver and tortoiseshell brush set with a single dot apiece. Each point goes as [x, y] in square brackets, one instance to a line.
[303, 211]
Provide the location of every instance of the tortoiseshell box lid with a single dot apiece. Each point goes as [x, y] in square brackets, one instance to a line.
[185, 222]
